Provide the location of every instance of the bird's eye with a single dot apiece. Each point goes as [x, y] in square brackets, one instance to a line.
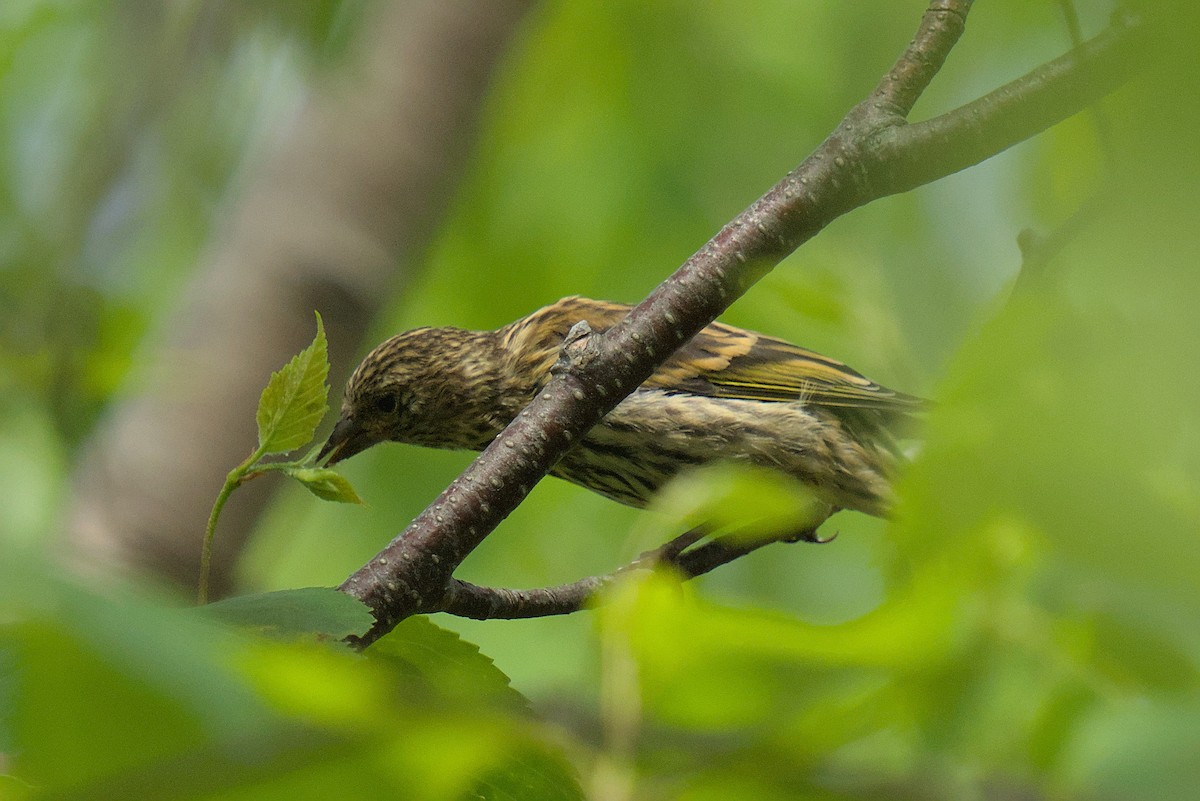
[387, 404]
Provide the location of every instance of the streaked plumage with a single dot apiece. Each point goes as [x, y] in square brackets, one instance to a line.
[728, 394]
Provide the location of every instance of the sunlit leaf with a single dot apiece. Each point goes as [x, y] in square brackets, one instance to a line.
[13, 789]
[326, 484]
[740, 498]
[294, 402]
[694, 656]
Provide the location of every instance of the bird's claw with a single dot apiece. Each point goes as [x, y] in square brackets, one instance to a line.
[811, 535]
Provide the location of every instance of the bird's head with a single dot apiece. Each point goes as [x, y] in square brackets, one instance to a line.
[427, 386]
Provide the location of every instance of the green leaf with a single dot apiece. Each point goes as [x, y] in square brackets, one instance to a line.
[326, 484]
[294, 402]
[441, 661]
[738, 498]
[308, 610]
[529, 774]
[14, 789]
[106, 697]
[693, 657]
[106, 685]
[1139, 658]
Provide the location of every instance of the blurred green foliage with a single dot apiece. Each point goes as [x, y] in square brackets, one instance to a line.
[124, 697]
[1028, 627]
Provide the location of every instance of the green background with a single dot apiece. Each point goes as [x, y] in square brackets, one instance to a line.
[1029, 626]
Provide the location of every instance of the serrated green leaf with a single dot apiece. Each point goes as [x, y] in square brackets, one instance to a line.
[326, 484]
[445, 662]
[308, 610]
[294, 402]
[529, 774]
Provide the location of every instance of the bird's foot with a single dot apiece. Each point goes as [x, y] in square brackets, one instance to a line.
[810, 535]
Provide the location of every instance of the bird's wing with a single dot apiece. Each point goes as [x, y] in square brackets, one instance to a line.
[726, 362]
[721, 362]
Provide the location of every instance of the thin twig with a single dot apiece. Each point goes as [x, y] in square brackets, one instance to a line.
[1038, 249]
[904, 157]
[488, 603]
[912, 73]
[1099, 120]
[464, 599]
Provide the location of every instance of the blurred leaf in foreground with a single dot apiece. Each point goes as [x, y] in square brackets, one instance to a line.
[118, 698]
[308, 610]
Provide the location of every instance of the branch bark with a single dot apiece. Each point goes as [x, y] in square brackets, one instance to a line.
[873, 152]
[487, 603]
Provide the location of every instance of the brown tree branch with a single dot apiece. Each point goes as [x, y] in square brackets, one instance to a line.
[487, 603]
[903, 157]
[912, 73]
[871, 153]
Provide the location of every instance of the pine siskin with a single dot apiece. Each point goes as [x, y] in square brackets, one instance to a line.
[728, 394]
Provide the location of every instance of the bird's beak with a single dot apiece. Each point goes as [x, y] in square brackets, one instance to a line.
[346, 439]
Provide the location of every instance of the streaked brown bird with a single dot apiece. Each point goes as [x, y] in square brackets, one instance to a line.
[728, 394]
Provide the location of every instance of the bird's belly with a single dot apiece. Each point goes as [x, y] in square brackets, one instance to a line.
[653, 435]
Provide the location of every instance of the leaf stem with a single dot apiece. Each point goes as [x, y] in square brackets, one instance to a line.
[232, 481]
[254, 471]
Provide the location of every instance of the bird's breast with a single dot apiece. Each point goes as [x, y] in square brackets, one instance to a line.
[653, 435]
